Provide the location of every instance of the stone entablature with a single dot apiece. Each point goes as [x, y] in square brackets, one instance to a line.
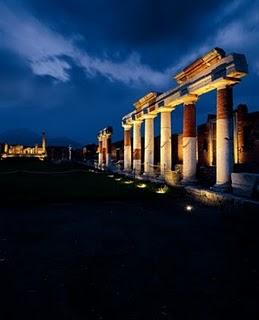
[224, 71]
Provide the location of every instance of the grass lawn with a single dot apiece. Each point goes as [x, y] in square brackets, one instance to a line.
[35, 181]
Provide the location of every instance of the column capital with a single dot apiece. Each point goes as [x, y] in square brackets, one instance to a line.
[190, 99]
[149, 116]
[166, 109]
[137, 121]
[126, 126]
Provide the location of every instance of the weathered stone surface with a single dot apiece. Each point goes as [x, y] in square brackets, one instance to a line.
[244, 184]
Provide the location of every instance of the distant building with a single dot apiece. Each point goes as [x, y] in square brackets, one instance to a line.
[21, 151]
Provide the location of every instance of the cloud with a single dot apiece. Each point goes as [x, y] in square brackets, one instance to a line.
[46, 51]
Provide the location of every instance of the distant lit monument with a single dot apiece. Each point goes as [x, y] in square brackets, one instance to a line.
[104, 148]
[20, 151]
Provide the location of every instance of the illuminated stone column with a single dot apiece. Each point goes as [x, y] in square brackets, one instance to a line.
[149, 144]
[224, 136]
[104, 149]
[241, 118]
[127, 147]
[137, 146]
[165, 142]
[189, 141]
[108, 149]
[100, 152]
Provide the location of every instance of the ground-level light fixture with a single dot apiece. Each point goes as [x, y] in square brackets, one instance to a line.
[141, 185]
[110, 176]
[189, 208]
[118, 179]
[162, 190]
[128, 181]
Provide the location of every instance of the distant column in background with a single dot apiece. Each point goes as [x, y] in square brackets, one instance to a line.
[100, 151]
[127, 147]
[109, 149]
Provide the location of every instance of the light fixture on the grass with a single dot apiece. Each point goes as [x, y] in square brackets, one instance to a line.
[141, 185]
[189, 208]
[162, 190]
[128, 181]
[118, 179]
[110, 176]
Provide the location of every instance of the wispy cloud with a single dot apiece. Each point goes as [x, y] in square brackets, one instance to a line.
[46, 51]
[240, 34]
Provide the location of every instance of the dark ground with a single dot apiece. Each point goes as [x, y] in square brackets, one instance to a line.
[127, 259]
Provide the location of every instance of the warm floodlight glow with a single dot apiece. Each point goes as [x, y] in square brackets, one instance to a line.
[189, 208]
[118, 179]
[162, 190]
[141, 185]
[128, 181]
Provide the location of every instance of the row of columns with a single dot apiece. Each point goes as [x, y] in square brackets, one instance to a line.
[224, 138]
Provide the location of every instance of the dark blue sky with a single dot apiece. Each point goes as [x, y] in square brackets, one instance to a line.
[74, 67]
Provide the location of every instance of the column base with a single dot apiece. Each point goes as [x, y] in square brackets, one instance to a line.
[189, 181]
[222, 187]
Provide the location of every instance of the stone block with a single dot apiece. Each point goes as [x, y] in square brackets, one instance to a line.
[244, 184]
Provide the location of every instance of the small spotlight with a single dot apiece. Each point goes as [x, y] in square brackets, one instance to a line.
[128, 181]
[110, 176]
[162, 190]
[117, 179]
[189, 208]
[141, 185]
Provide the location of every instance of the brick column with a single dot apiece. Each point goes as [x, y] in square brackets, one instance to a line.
[165, 142]
[189, 142]
[127, 147]
[137, 146]
[224, 136]
[149, 144]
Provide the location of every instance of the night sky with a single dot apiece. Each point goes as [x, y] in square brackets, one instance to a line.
[74, 67]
